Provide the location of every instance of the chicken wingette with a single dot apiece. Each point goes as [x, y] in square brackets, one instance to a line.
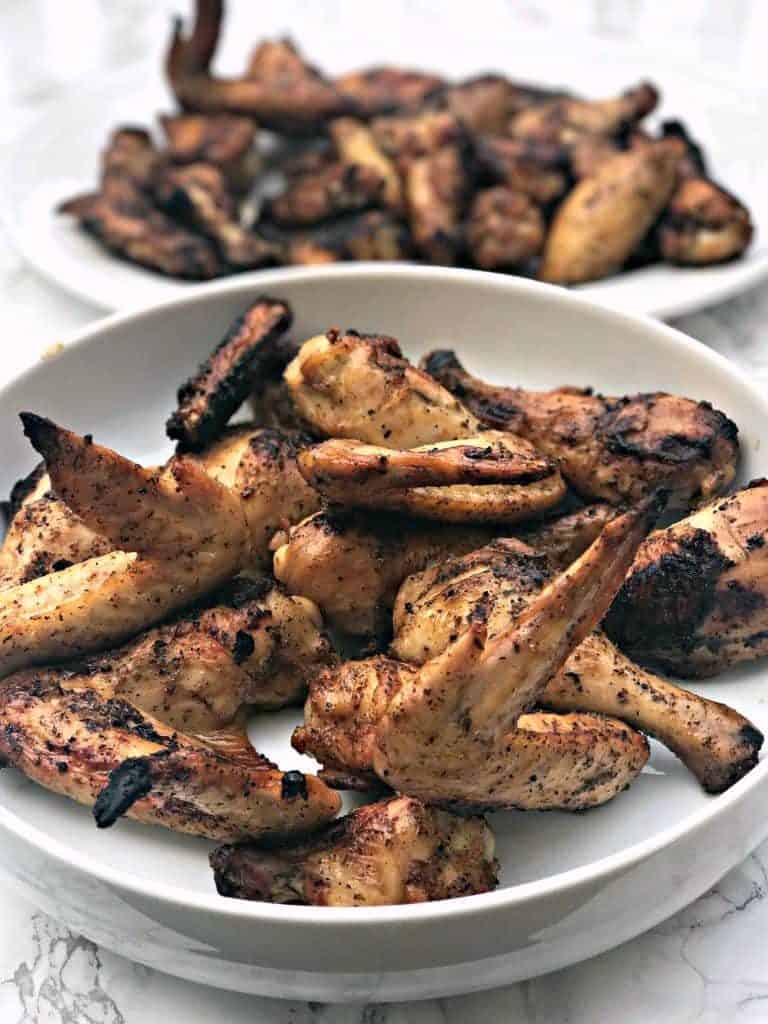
[390, 852]
[609, 449]
[107, 754]
[496, 582]
[457, 731]
[696, 598]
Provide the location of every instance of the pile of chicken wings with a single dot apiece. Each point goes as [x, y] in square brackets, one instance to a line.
[461, 581]
[393, 164]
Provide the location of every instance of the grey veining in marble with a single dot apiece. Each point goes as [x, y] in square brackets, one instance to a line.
[706, 965]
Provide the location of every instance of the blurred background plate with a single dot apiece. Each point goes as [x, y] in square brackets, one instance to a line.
[57, 156]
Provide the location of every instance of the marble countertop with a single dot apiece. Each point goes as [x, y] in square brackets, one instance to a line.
[706, 964]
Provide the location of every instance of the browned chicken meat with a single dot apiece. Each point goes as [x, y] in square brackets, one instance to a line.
[357, 145]
[457, 731]
[538, 169]
[249, 644]
[223, 140]
[381, 90]
[405, 138]
[437, 187]
[491, 477]
[336, 189]
[695, 599]
[371, 235]
[604, 218]
[351, 564]
[107, 754]
[287, 95]
[494, 584]
[177, 534]
[704, 224]
[394, 851]
[222, 382]
[612, 449]
[197, 195]
[504, 229]
[485, 103]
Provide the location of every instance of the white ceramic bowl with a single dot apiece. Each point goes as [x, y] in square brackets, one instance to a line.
[572, 885]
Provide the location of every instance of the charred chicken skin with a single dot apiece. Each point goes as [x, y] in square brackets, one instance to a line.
[457, 731]
[694, 601]
[394, 851]
[715, 742]
[610, 449]
[107, 754]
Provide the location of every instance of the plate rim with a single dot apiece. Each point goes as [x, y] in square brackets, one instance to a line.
[505, 899]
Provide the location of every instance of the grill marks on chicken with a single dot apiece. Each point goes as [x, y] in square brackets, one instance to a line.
[495, 583]
[695, 601]
[221, 384]
[455, 731]
[391, 852]
[107, 754]
[610, 449]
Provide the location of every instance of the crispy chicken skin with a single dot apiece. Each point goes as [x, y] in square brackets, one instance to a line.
[564, 537]
[222, 382]
[394, 851]
[336, 189]
[356, 144]
[129, 225]
[604, 218]
[371, 235]
[491, 477]
[261, 466]
[178, 534]
[290, 97]
[352, 563]
[223, 140]
[496, 582]
[197, 195]
[107, 754]
[382, 90]
[703, 224]
[504, 229]
[250, 644]
[437, 187]
[611, 449]
[43, 535]
[360, 386]
[694, 601]
[455, 731]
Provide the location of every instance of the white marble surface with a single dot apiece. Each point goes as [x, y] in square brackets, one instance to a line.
[707, 964]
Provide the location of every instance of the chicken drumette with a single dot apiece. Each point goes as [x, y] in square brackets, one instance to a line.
[610, 449]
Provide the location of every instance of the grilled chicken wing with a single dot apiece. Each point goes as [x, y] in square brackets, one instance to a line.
[694, 601]
[394, 851]
[108, 754]
[336, 189]
[222, 382]
[290, 97]
[565, 537]
[359, 386]
[611, 449]
[604, 218]
[492, 477]
[437, 187]
[704, 224]
[504, 229]
[351, 564]
[179, 534]
[538, 169]
[485, 103]
[219, 139]
[381, 90]
[252, 644]
[196, 194]
[44, 535]
[372, 235]
[405, 138]
[495, 583]
[356, 145]
[455, 731]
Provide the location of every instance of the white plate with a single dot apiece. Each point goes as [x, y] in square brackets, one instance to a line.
[58, 157]
[572, 885]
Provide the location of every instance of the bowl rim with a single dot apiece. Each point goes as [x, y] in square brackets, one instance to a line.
[163, 892]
